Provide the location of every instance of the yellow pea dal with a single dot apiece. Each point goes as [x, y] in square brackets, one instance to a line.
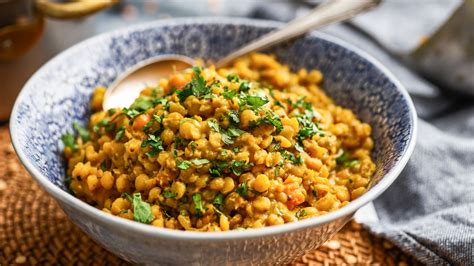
[210, 149]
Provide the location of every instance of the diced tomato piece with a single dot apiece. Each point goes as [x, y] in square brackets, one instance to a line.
[141, 121]
[177, 81]
[295, 199]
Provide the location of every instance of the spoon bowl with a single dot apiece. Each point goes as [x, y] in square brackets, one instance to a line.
[127, 87]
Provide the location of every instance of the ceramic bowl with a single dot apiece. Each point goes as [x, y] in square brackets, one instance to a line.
[59, 94]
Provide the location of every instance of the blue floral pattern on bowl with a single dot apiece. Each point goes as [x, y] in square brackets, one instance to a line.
[59, 92]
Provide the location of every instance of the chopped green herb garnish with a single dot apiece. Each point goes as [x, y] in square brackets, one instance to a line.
[196, 87]
[198, 204]
[127, 196]
[233, 77]
[193, 146]
[344, 160]
[183, 94]
[83, 133]
[244, 86]
[230, 133]
[270, 118]
[185, 164]
[234, 116]
[352, 163]
[213, 124]
[103, 123]
[103, 166]
[69, 141]
[308, 128]
[131, 113]
[168, 194]
[120, 133]
[67, 181]
[226, 135]
[111, 111]
[302, 103]
[242, 190]
[236, 149]
[218, 167]
[300, 213]
[218, 199]
[155, 144]
[238, 167]
[278, 103]
[254, 101]
[277, 171]
[180, 142]
[141, 210]
[141, 104]
[295, 159]
[229, 94]
[299, 147]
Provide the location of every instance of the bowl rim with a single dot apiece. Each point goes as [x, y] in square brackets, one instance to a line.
[78, 205]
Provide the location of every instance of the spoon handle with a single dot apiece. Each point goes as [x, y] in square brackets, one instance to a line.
[333, 11]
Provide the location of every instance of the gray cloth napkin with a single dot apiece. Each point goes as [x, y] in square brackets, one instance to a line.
[429, 211]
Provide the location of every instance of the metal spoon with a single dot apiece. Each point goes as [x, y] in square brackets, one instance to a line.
[124, 90]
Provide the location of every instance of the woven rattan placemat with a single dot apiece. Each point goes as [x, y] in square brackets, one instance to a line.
[33, 229]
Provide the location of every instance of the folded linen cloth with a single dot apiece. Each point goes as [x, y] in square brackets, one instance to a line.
[429, 211]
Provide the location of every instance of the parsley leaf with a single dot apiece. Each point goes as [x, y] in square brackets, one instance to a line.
[168, 194]
[242, 190]
[233, 77]
[196, 87]
[218, 167]
[234, 116]
[352, 163]
[228, 135]
[302, 103]
[69, 141]
[111, 111]
[83, 133]
[67, 181]
[198, 204]
[244, 86]
[237, 167]
[344, 160]
[229, 94]
[183, 94]
[270, 118]
[103, 123]
[103, 166]
[185, 164]
[155, 144]
[120, 133]
[254, 101]
[308, 127]
[213, 124]
[141, 210]
[295, 159]
[218, 200]
[300, 213]
[131, 113]
[141, 104]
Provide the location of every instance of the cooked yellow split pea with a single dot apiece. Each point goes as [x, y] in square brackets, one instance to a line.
[210, 149]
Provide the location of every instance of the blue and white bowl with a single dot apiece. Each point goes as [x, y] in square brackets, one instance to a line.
[59, 94]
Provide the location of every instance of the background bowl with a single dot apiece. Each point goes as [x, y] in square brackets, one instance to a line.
[59, 94]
